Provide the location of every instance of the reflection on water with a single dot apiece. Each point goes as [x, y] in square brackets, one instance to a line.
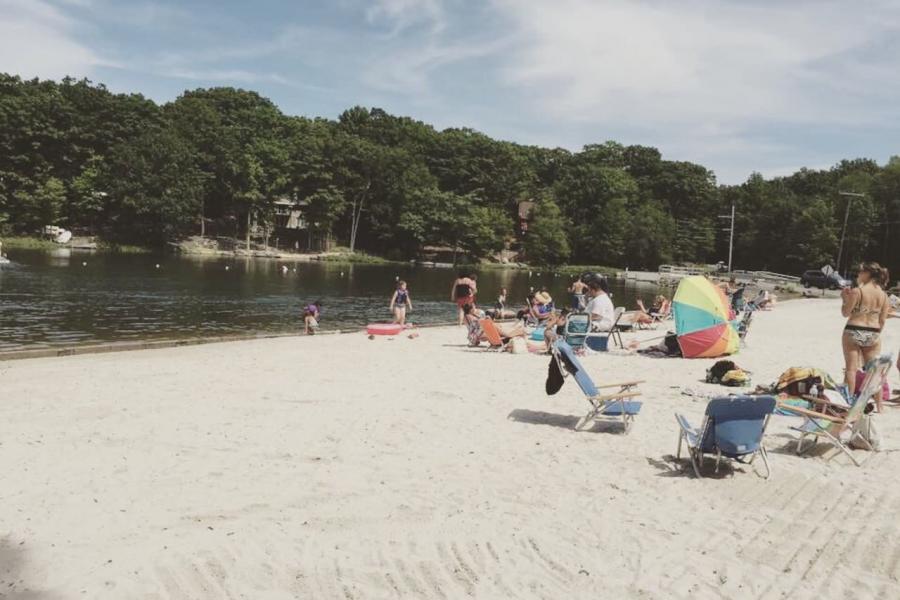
[65, 297]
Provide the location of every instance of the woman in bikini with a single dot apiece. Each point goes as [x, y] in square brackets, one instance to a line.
[463, 292]
[866, 308]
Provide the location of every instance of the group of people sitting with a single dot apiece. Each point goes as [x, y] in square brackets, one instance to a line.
[589, 294]
[764, 300]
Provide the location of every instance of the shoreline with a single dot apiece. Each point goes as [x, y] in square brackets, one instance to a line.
[421, 468]
[169, 342]
[163, 343]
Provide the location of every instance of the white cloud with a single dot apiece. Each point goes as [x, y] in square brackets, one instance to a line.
[38, 40]
[684, 61]
[402, 14]
[700, 75]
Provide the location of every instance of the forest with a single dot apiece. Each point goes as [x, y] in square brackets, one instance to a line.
[129, 170]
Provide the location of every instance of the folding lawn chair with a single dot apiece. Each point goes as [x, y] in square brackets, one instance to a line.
[733, 427]
[615, 332]
[613, 406]
[832, 427]
[578, 325]
[492, 334]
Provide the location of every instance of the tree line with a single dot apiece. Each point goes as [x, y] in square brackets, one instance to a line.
[129, 170]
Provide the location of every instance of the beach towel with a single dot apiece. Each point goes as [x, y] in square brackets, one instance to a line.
[798, 381]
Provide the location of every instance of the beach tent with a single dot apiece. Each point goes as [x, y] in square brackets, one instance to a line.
[703, 320]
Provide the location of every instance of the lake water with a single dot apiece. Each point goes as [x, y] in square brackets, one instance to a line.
[53, 299]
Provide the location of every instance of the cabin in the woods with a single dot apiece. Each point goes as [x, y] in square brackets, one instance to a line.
[292, 231]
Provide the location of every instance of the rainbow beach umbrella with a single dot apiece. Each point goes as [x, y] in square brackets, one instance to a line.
[703, 320]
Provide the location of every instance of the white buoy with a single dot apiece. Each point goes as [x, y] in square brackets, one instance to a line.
[284, 269]
[342, 273]
[529, 273]
[84, 263]
[157, 265]
[227, 267]
[396, 278]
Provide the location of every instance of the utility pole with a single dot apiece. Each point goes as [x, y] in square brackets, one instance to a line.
[851, 196]
[730, 235]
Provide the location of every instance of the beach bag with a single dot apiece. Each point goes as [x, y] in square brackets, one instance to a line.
[671, 343]
[555, 378]
[517, 345]
[865, 428]
[716, 372]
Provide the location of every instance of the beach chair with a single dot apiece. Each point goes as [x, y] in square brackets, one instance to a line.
[492, 335]
[578, 325]
[743, 326]
[733, 427]
[615, 332]
[616, 405]
[833, 428]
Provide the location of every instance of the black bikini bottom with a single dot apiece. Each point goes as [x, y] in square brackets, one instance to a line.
[861, 328]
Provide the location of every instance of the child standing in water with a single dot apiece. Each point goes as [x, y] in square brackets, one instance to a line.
[311, 314]
[400, 301]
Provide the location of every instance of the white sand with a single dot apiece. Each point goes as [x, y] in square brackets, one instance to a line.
[338, 467]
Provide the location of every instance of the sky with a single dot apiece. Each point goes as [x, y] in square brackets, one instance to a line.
[737, 85]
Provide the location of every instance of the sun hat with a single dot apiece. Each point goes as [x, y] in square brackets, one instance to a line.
[543, 298]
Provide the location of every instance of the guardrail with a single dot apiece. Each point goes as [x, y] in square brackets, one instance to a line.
[769, 275]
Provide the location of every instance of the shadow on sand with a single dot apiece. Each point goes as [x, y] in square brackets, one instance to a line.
[12, 574]
[537, 417]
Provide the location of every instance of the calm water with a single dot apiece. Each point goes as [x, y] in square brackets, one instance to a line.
[52, 299]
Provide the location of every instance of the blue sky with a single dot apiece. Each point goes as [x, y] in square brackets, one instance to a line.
[739, 86]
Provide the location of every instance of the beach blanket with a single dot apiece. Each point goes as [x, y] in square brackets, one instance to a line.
[798, 381]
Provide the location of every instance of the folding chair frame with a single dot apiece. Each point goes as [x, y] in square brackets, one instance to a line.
[696, 455]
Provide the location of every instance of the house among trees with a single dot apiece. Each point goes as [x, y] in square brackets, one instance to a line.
[292, 230]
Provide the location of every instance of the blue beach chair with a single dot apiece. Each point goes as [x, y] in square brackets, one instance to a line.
[732, 428]
[612, 406]
[578, 325]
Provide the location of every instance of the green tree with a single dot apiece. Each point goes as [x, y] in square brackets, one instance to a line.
[40, 206]
[154, 188]
[546, 242]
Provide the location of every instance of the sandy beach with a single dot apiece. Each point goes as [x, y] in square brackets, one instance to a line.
[339, 467]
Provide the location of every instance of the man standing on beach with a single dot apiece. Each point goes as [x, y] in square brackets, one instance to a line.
[577, 290]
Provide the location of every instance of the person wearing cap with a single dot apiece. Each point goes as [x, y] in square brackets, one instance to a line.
[600, 306]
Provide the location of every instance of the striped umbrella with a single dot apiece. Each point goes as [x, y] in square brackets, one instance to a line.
[703, 320]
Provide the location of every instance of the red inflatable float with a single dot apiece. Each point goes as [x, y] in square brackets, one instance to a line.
[384, 329]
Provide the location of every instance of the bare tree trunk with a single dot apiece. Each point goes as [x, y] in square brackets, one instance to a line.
[248, 229]
[356, 217]
[202, 219]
